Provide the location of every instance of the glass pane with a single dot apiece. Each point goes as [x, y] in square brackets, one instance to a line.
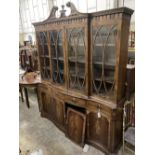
[41, 49]
[57, 56]
[103, 56]
[44, 59]
[53, 37]
[41, 61]
[76, 58]
[47, 62]
[45, 50]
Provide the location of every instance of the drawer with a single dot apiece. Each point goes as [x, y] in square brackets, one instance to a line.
[59, 95]
[93, 106]
[76, 101]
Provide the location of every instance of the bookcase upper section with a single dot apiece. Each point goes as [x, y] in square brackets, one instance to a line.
[85, 52]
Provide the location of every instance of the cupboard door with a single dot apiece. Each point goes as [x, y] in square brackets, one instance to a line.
[97, 130]
[57, 56]
[103, 59]
[45, 102]
[76, 123]
[42, 40]
[76, 58]
[60, 112]
[53, 108]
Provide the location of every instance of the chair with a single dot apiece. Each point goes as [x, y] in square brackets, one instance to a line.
[129, 125]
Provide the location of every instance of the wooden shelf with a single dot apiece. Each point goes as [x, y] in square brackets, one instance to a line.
[78, 75]
[78, 45]
[109, 66]
[61, 72]
[54, 58]
[53, 44]
[79, 60]
[106, 66]
[110, 45]
[44, 56]
[45, 67]
[107, 79]
[59, 58]
[97, 62]
[43, 44]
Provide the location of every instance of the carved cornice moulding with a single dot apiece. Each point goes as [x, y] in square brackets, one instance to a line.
[75, 14]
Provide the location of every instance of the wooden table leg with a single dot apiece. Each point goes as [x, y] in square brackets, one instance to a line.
[27, 98]
[21, 92]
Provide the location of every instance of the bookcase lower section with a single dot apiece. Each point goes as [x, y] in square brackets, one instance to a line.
[82, 120]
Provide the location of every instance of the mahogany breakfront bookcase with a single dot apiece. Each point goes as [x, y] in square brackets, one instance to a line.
[82, 59]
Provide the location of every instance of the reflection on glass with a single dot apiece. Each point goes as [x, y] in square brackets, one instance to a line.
[76, 58]
[57, 56]
[44, 57]
[103, 59]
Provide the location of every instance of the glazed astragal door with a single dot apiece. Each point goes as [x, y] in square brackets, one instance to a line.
[103, 60]
[57, 56]
[76, 58]
[44, 55]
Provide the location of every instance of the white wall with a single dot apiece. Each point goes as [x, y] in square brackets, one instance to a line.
[37, 10]
[32, 11]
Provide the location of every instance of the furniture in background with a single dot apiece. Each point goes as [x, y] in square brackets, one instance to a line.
[28, 80]
[129, 125]
[130, 81]
[131, 57]
[82, 60]
[132, 39]
[28, 58]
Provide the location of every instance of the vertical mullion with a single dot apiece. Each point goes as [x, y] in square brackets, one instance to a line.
[38, 47]
[66, 58]
[87, 58]
[44, 54]
[49, 54]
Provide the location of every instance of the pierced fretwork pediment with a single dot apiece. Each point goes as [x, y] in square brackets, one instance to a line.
[73, 9]
[53, 13]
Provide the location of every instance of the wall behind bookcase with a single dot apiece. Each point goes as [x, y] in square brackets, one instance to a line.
[38, 10]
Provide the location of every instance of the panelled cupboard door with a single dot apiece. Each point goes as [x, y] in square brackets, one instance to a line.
[52, 109]
[59, 112]
[76, 122]
[56, 108]
[97, 129]
[45, 101]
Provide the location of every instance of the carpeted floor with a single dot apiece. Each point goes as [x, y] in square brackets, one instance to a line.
[36, 132]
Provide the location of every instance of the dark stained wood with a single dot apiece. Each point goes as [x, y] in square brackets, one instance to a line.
[26, 97]
[27, 80]
[98, 129]
[50, 107]
[60, 112]
[28, 58]
[21, 92]
[73, 102]
[76, 122]
[130, 81]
